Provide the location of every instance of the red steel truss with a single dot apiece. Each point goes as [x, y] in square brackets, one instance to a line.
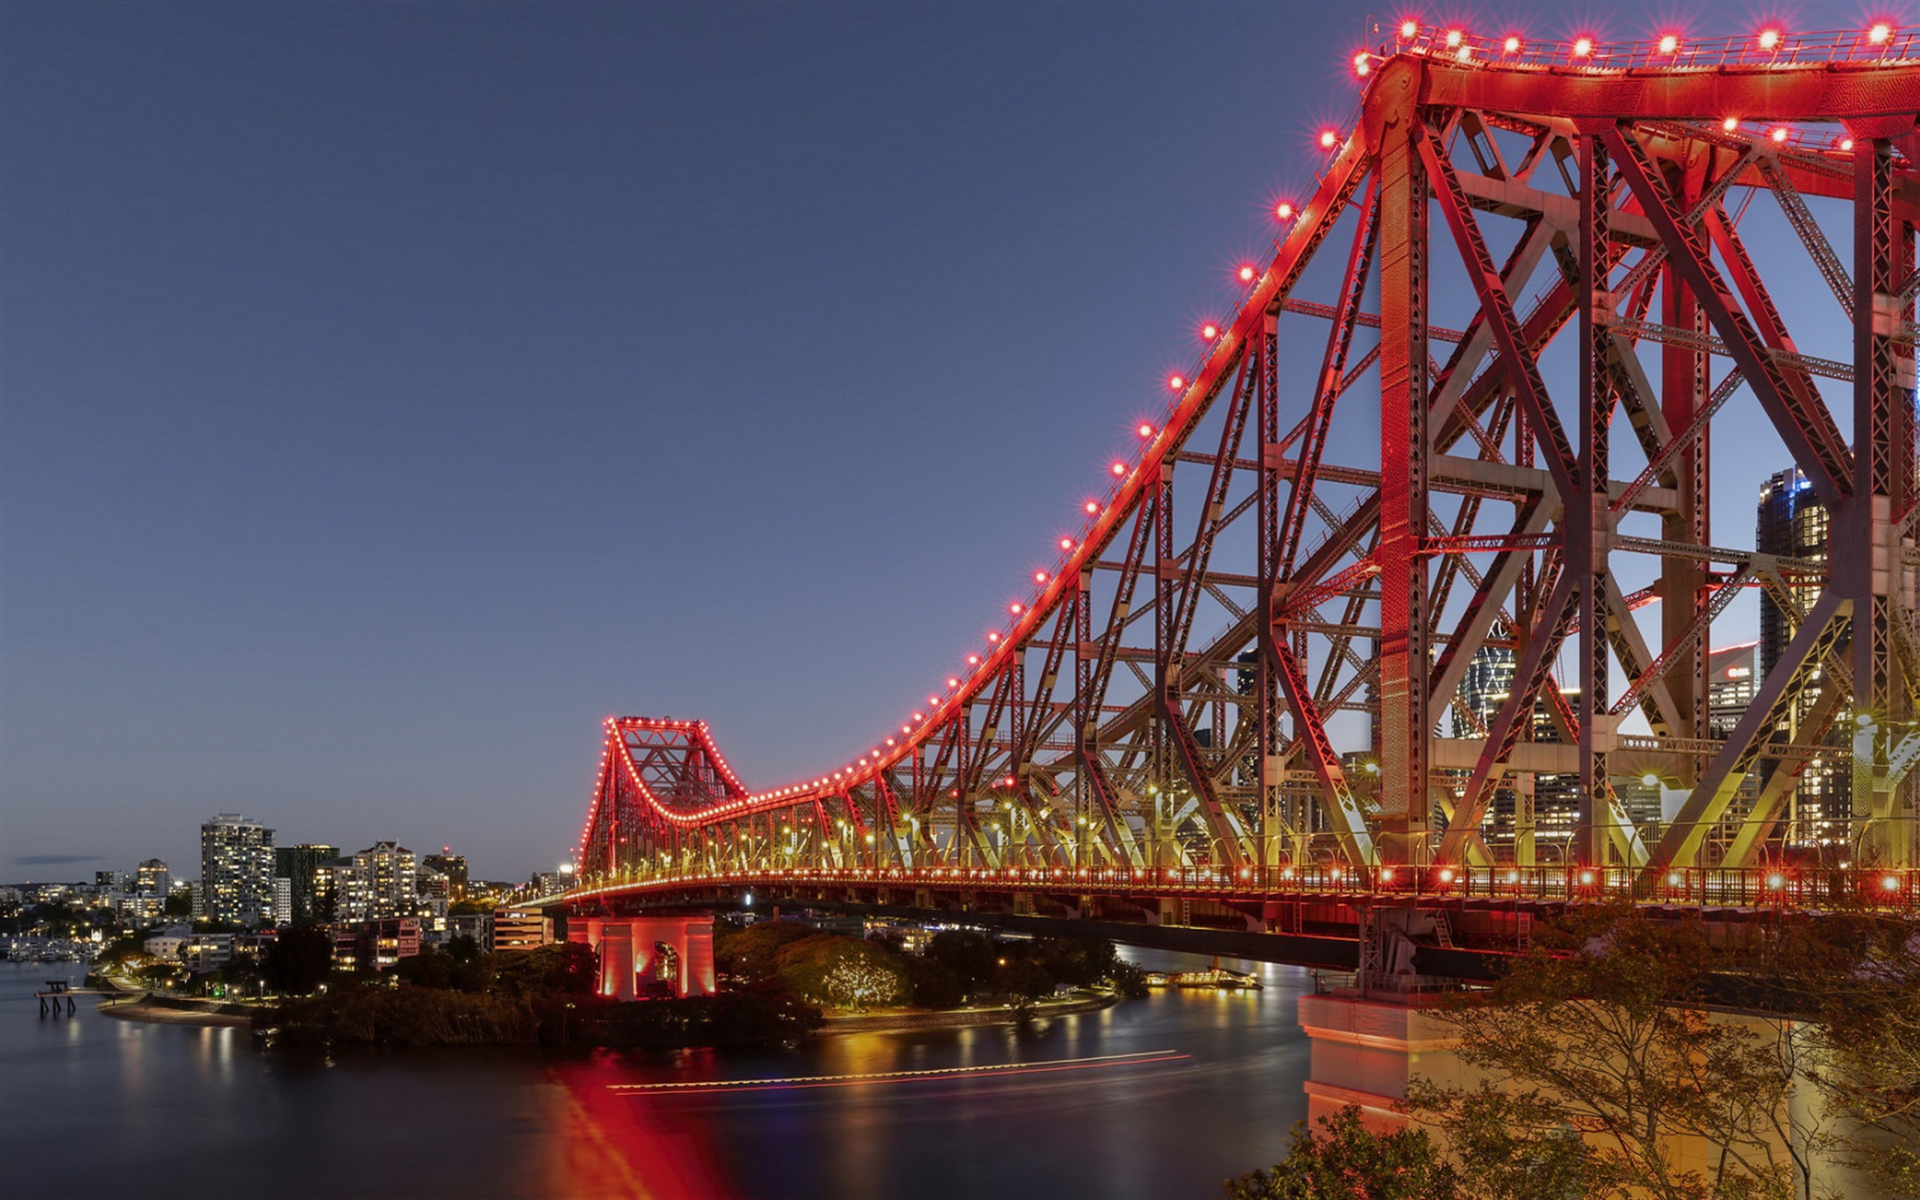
[1256, 659]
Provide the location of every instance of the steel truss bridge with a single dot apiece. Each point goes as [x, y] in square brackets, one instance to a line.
[1161, 723]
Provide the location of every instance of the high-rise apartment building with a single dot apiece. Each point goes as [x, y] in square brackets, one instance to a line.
[1792, 522]
[153, 876]
[382, 882]
[236, 870]
[300, 867]
[454, 867]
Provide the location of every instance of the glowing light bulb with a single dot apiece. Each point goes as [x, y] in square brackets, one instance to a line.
[1360, 65]
[1409, 29]
[1119, 468]
[1328, 139]
[1730, 124]
[973, 660]
[1246, 274]
[1039, 576]
[1889, 883]
[951, 682]
[1669, 43]
[1846, 143]
[1512, 44]
[1066, 543]
[1454, 37]
[1769, 39]
[1880, 32]
[1582, 47]
[1092, 507]
[1209, 332]
[1015, 609]
[1176, 382]
[1282, 210]
[993, 637]
[1146, 430]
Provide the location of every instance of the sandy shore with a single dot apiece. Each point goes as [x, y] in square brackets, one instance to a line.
[144, 1009]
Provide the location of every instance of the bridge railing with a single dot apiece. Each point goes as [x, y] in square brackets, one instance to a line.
[1755, 887]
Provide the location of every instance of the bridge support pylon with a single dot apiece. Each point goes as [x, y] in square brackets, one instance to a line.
[647, 958]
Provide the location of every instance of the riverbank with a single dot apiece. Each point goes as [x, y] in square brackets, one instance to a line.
[903, 1020]
[172, 1010]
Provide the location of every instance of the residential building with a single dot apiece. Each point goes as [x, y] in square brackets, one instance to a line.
[300, 866]
[374, 945]
[454, 867]
[236, 870]
[381, 883]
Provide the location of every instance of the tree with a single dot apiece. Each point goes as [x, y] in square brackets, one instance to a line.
[1602, 1030]
[965, 952]
[1857, 973]
[298, 961]
[749, 953]
[1347, 1161]
[842, 972]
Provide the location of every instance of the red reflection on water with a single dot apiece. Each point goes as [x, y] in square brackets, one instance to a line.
[611, 1145]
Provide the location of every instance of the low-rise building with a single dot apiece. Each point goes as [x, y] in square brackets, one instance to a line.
[375, 945]
[521, 928]
[206, 952]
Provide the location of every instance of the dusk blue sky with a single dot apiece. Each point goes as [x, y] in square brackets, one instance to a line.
[392, 392]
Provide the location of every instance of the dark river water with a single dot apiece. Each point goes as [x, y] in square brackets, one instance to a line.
[1159, 1098]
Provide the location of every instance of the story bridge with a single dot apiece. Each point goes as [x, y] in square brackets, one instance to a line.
[1267, 693]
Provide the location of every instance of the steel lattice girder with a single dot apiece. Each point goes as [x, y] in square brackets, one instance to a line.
[1178, 692]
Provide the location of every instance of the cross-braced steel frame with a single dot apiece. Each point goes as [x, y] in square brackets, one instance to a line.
[1257, 655]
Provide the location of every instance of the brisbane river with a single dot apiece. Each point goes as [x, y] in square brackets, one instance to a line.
[1158, 1098]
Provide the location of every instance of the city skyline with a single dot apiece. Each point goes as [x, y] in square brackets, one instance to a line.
[377, 422]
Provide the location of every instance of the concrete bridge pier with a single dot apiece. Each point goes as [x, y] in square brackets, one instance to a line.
[645, 958]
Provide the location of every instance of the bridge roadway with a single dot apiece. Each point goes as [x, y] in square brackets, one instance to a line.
[1461, 922]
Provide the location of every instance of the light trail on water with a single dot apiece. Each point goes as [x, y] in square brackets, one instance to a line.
[698, 1087]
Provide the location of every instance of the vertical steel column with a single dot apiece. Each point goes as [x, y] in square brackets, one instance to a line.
[1166, 674]
[1405, 726]
[1868, 561]
[1267, 702]
[1684, 390]
[1587, 512]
